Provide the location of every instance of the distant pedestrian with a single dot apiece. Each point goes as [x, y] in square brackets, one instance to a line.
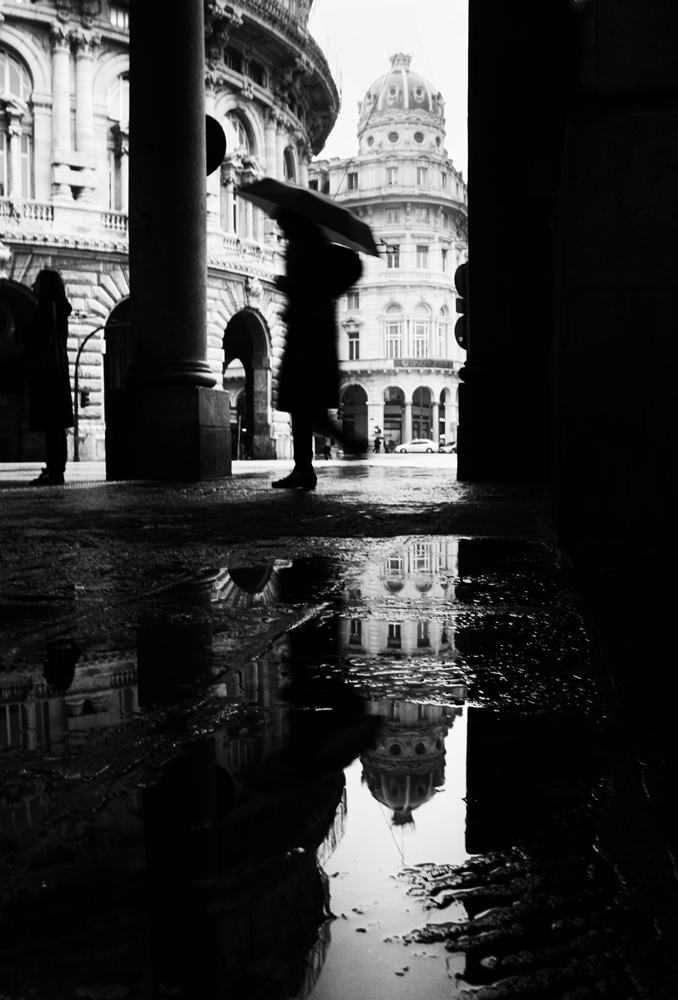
[50, 403]
[327, 448]
[317, 272]
[391, 447]
[377, 445]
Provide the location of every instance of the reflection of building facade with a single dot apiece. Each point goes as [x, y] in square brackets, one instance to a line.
[64, 146]
[399, 357]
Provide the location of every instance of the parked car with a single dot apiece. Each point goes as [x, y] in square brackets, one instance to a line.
[418, 444]
[449, 449]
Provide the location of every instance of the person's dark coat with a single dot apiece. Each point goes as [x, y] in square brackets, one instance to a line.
[45, 339]
[317, 273]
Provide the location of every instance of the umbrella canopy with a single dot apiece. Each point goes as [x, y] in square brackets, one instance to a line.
[336, 223]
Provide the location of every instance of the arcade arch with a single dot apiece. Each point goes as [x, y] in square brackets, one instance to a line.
[247, 377]
[354, 418]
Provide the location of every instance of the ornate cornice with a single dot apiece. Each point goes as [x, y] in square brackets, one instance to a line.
[84, 42]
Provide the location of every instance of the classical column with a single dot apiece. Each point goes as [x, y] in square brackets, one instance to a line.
[84, 44]
[214, 179]
[407, 422]
[280, 143]
[178, 427]
[435, 422]
[271, 146]
[61, 103]
[121, 139]
[14, 132]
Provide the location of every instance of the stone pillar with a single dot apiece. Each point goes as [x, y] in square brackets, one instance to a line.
[271, 146]
[280, 143]
[303, 168]
[214, 179]
[407, 422]
[177, 425]
[435, 424]
[14, 134]
[61, 104]
[262, 446]
[84, 46]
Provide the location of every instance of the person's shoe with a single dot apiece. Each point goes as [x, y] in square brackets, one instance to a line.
[47, 478]
[296, 481]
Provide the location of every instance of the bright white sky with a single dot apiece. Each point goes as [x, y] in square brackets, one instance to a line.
[358, 40]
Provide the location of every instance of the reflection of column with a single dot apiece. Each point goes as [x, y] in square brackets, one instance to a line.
[407, 422]
[435, 425]
[61, 102]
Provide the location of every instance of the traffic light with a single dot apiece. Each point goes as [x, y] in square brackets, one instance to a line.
[461, 327]
[84, 398]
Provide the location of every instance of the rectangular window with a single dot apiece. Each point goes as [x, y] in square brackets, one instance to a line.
[353, 300]
[353, 182]
[391, 176]
[442, 339]
[356, 634]
[446, 221]
[443, 178]
[313, 185]
[392, 216]
[423, 215]
[393, 255]
[119, 17]
[423, 639]
[422, 558]
[422, 176]
[395, 566]
[422, 258]
[233, 59]
[420, 340]
[394, 635]
[394, 340]
[443, 254]
[353, 345]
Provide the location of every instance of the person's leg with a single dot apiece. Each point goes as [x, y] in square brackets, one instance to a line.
[55, 451]
[302, 476]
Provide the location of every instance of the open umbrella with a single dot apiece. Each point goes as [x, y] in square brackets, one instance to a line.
[336, 223]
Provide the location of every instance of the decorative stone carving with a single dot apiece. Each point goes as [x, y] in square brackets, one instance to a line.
[5, 257]
[63, 10]
[220, 19]
[247, 90]
[91, 9]
[253, 291]
[84, 42]
[60, 37]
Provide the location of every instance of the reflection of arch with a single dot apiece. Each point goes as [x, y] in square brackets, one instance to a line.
[118, 340]
[246, 339]
[354, 418]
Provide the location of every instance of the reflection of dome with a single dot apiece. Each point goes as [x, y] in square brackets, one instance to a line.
[404, 790]
[394, 585]
[401, 89]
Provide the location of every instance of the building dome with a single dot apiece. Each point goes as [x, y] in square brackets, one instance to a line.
[400, 90]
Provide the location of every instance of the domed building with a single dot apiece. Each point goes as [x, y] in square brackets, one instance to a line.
[399, 357]
[64, 155]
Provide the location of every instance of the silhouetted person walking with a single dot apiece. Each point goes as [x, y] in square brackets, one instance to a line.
[317, 273]
[50, 404]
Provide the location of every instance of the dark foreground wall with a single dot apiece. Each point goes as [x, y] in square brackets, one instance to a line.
[573, 204]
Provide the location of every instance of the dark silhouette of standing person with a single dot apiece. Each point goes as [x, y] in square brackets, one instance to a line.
[50, 404]
[317, 272]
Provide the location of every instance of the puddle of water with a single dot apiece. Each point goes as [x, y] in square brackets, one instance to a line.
[272, 755]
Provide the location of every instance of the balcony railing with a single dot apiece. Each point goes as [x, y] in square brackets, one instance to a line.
[23, 210]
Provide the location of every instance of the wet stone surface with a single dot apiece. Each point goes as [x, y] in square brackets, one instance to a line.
[319, 766]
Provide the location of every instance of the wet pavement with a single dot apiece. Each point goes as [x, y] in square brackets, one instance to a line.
[358, 743]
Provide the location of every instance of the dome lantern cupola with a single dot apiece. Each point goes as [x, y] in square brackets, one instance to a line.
[404, 98]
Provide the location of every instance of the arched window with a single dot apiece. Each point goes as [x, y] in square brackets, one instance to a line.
[421, 331]
[394, 331]
[16, 128]
[442, 333]
[237, 138]
[289, 166]
[118, 144]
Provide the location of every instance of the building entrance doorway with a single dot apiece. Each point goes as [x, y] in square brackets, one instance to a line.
[421, 413]
[247, 377]
[354, 419]
[394, 406]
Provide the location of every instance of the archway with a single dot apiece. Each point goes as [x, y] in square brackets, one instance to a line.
[394, 405]
[247, 375]
[117, 358]
[354, 418]
[445, 433]
[421, 413]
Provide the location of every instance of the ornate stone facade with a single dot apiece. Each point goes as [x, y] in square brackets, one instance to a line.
[399, 357]
[64, 148]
